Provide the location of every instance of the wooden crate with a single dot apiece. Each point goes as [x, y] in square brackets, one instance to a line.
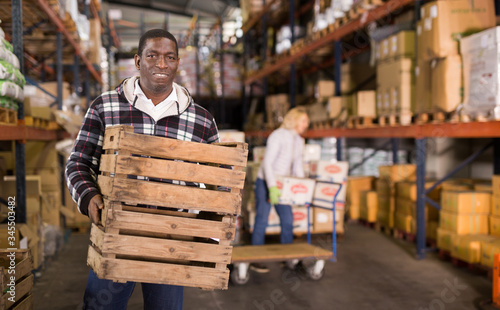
[162, 244]
[23, 279]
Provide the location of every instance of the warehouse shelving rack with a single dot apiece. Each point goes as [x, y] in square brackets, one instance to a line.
[418, 132]
[20, 132]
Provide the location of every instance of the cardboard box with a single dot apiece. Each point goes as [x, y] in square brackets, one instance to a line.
[398, 173]
[488, 251]
[231, 136]
[385, 218]
[444, 239]
[495, 225]
[364, 103]
[324, 195]
[402, 44]
[407, 207]
[385, 187]
[403, 222]
[325, 89]
[299, 219]
[396, 79]
[466, 202]
[356, 185]
[323, 221]
[408, 190]
[446, 83]
[495, 208]
[324, 170]
[430, 231]
[317, 112]
[312, 152]
[296, 191]
[276, 108]
[383, 50]
[51, 178]
[354, 212]
[334, 107]
[463, 224]
[468, 248]
[368, 206]
[273, 222]
[51, 205]
[386, 203]
[443, 21]
[423, 85]
[495, 181]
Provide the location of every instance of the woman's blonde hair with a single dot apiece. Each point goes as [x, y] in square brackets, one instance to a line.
[292, 117]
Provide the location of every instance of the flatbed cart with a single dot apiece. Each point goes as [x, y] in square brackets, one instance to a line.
[292, 253]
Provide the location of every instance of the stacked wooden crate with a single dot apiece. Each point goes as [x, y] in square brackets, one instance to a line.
[162, 244]
[16, 280]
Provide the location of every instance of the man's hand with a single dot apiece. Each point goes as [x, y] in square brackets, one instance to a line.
[95, 205]
[274, 195]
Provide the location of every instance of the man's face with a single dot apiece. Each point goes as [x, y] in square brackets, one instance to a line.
[157, 66]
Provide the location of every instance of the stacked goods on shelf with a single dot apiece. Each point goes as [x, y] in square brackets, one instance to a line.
[95, 42]
[11, 83]
[318, 111]
[481, 80]
[29, 235]
[16, 287]
[406, 209]
[489, 249]
[395, 78]
[276, 108]
[355, 187]
[386, 190]
[187, 70]
[232, 76]
[368, 206]
[463, 224]
[331, 171]
[439, 63]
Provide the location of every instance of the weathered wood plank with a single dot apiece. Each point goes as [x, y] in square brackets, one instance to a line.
[172, 170]
[96, 236]
[170, 225]
[278, 252]
[177, 149]
[168, 195]
[158, 249]
[151, 272]
[95, 261]
[25, 304]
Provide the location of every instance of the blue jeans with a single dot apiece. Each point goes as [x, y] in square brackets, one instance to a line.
[262, 209]
[107, 295]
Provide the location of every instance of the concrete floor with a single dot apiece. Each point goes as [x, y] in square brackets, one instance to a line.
[373, 271]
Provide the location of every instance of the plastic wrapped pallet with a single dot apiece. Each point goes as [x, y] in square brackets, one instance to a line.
[12, 90]
[8, 72]
[480, 54]
[8, 56]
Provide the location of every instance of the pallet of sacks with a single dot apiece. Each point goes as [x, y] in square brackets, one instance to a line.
[166, 244]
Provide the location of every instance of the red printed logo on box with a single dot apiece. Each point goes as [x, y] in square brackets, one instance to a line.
[329, 191]
[279, 185]
[299, 216]
[299, 188]
[333, 169]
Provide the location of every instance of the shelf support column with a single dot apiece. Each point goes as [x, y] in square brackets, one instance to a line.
[337, 66]
[17, 42]
[395, 149]
[420, 144]
[293, 72]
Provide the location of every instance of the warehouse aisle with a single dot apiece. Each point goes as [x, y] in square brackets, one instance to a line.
[374, 271]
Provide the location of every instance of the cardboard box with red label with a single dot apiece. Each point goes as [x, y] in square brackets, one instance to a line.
[332, 172]
[296, 191]
[324, 195]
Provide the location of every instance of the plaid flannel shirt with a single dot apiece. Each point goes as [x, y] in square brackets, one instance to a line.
[192, 123]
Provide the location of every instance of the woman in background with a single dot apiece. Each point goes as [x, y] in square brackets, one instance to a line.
[283, 157]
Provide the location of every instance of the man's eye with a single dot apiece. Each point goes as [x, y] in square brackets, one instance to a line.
[170, 58]
[150, 56]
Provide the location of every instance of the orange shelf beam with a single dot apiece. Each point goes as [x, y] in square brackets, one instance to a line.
[350, 27]
[57, 21]
[21, 132]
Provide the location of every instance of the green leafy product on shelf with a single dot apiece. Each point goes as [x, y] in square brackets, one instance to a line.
[11, 90]
[8, 45]
[8, 72]
[8, 56]
[8, 103]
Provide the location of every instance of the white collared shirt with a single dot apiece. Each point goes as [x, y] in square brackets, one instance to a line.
[147, 106]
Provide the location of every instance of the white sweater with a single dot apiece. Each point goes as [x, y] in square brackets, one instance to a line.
[283, 156]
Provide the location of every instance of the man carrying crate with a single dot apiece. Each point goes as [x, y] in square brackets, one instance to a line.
[154, 105]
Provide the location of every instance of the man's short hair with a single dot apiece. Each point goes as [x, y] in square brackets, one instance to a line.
[156, 33]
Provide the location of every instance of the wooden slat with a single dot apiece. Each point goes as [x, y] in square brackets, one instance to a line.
[22, 288]
[178, 149]
[278, 252]
[172, 170]
[96, 236]
[150, 272]
[25, 304]
[168, 195]
[159, 249]
[95, 260]
[170, 225]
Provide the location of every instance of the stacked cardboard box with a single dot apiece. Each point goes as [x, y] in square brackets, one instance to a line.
[395, 78]
[276, 107]
[406, 208]
[355, 187]
[438, 31]
[368, 206]
[386, 190]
